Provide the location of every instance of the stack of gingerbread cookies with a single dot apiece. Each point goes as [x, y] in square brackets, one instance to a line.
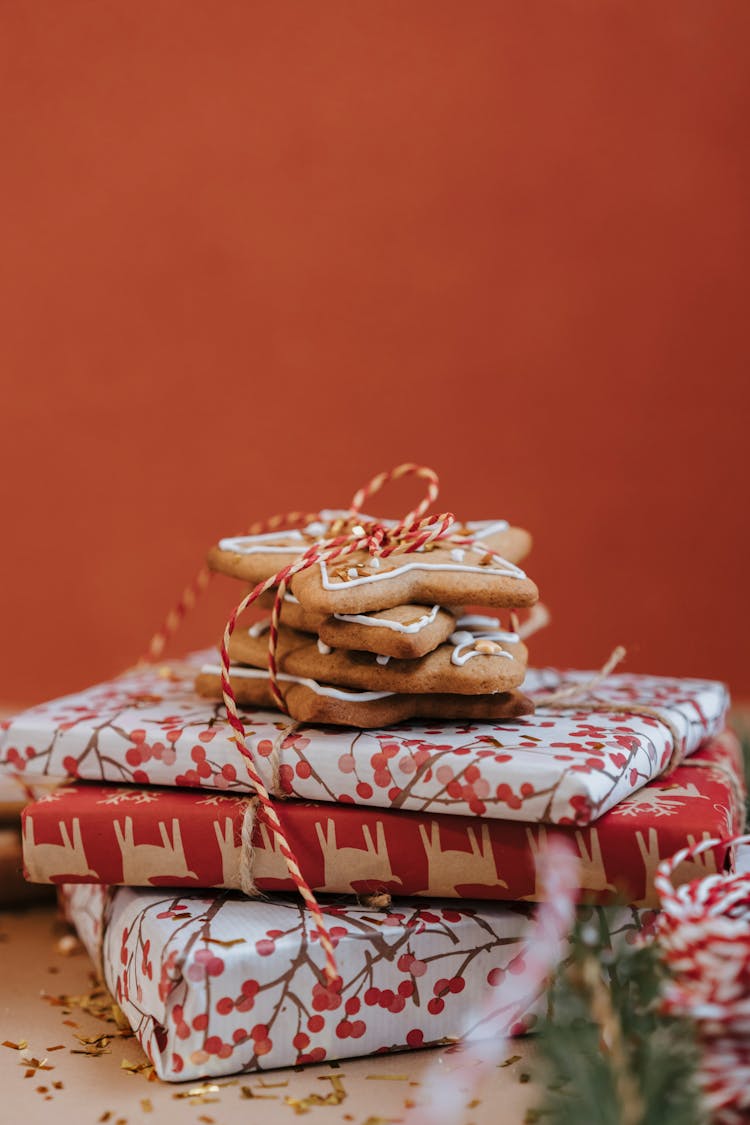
[370, 639]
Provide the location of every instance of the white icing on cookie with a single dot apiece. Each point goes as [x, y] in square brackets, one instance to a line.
[245, 673]
[267, 542]
[381, 659]
[323, 648]
[385, 623]
[483, 527]
[260, 627]
[505, 570]
[457, 554]
[264, 544]
[474, 628]
[476, 621]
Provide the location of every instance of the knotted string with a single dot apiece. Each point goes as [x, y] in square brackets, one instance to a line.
[343, 536]
[575, 696]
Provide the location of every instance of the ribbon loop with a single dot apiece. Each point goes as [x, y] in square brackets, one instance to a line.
[406, 470]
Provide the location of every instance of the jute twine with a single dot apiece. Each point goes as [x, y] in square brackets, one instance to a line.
[576, 696]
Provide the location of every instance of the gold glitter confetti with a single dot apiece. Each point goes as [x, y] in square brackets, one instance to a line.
[97, 1002]
[247, 1092]
[93, 1050]
[199, 1095]
[57, 1047]
[509, 1062]
[106, 1115]
[58, 1085]
[336, 1096]
[121, 1019]
[21, 1045]
[226, 944]
[144, 1067]
[95, 1040]
[146, 1105]
[198, 1091]
[33, 1065]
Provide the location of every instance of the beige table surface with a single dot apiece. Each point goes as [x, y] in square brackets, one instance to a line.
[376, 1090]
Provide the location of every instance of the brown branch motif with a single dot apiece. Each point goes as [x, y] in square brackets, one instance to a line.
[214, 985]
[561, 767]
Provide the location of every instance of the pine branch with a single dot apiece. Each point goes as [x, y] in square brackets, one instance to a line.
[608, 1056]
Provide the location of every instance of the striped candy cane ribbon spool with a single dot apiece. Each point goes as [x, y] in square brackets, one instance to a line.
[704, 932]
[341, 537]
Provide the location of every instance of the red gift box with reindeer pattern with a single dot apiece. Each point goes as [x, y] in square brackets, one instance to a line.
[182, 838]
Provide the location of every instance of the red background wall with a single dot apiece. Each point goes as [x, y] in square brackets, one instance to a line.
[252, 253]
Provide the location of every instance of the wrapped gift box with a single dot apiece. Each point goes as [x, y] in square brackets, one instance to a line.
[14, 793]
[17, 790]
[14, 890]
[162, 837]
[213, 984]
[557, 766]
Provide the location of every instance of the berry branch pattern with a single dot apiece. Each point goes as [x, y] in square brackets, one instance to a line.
[194, 838]
[558, 767]
[215, 985]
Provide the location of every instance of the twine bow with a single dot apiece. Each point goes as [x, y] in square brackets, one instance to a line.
[340, 537]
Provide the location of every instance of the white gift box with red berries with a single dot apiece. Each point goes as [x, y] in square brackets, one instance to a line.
[214, 984]
[565, 766]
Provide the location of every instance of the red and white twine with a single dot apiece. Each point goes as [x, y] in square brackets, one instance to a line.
[704, 932]
[342, 537]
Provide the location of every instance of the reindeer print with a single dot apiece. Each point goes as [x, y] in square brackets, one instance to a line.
[231, 853]
[51, 863]
[346, 866]
[142, 863]
[450, 868]
[268, 862]
[592, 873]
[696, 868]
